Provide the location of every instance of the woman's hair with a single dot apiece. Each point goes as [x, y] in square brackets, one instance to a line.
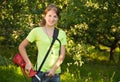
[48, 8]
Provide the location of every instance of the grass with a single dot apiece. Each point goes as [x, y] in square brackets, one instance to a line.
[89, 72]
[11, 74]
[96, 68]
[100, 72]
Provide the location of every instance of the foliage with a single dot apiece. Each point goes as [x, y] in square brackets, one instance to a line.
[100, 24]
[4, 61]
[104, 26]
[93, 22]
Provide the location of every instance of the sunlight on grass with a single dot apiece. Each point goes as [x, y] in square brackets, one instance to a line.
[101, 58]
[19, 71]
[67, 77]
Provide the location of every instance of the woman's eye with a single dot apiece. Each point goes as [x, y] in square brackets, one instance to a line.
[52, 16]
[55, 16]
[49, 15]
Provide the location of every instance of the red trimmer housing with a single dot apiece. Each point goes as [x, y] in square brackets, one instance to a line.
[18, 60]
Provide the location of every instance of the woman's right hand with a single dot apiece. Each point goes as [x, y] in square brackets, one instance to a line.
[28, 67]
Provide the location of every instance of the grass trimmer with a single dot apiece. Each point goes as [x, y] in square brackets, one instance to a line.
[18, 60]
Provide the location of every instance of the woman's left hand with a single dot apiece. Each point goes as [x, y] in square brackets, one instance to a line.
[50, 73]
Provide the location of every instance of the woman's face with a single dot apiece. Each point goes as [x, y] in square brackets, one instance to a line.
[51, 18]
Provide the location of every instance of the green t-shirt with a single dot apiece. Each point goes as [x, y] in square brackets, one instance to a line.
[43, 43]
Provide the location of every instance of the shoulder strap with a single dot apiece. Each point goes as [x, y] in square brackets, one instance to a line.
[55, 34]
[60, 44]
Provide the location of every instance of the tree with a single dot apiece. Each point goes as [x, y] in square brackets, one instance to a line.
[105, 25]
[95, 22]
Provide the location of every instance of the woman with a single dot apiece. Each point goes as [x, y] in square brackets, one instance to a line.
[42, 36]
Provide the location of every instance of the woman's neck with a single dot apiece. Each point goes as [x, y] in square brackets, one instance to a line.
[50, 28]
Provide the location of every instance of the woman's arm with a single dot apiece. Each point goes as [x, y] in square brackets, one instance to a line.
[22, 51]
[58, 63]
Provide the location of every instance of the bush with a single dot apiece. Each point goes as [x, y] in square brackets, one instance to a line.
[4, 61]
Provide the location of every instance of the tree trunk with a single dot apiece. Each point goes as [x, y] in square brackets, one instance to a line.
[112, 50]
[112, 54]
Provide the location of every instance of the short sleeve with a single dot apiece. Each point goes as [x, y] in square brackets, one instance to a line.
[31, 36]
[63, 38]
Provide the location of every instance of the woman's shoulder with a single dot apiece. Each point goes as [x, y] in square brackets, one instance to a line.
[61, 31]
[36, 29]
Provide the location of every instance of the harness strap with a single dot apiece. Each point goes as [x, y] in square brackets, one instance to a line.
[55, 35]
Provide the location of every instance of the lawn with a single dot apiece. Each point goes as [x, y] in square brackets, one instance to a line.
[92, 71]
[96, 68]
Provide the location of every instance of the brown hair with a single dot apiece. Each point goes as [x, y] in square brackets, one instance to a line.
[48, 8]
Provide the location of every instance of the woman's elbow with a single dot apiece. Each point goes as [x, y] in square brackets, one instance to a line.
[23, 45]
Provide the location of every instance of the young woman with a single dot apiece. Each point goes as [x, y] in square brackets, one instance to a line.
[42, 36]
